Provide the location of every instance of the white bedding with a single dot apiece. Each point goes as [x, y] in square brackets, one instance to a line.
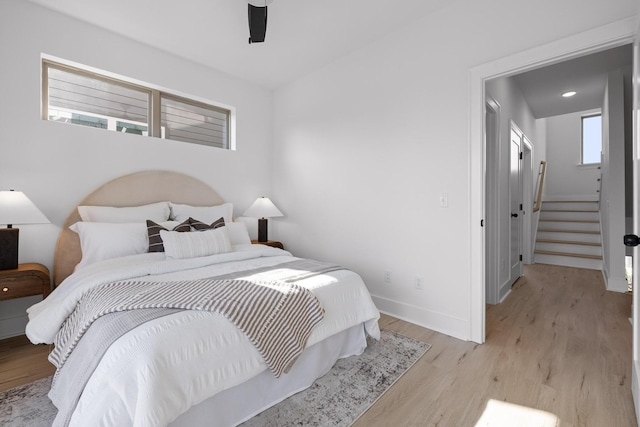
[159, 370]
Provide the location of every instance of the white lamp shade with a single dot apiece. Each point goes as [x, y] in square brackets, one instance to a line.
[16, 208]
[263, 208]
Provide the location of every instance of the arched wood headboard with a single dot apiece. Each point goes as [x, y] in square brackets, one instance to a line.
[136, 189]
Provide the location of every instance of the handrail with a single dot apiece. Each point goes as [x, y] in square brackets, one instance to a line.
[539, 183]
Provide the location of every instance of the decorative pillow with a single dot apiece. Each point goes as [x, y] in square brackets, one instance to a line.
[153, 232]
[201, 226]
[207, 214]
[155, 212]
[102, 240]
[238, 233]
[191, 245]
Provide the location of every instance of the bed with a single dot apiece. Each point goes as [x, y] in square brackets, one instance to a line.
[186, 364]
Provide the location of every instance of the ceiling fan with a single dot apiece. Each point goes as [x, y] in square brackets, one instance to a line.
[258, 20]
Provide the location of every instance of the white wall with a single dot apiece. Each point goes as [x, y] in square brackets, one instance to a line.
[56, 165]
[566, 178]
[360, 151]
[513, 108]
[366, 145]
[612, 203]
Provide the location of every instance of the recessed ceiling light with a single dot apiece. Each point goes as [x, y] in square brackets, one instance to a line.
[569, 94]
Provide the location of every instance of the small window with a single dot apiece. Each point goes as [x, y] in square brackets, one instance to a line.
[184, 120]
[86, 98]
[591, 139]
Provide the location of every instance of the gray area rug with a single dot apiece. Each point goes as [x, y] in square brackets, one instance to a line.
[337, 399]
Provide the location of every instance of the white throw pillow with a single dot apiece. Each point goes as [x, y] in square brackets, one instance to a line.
[156, 212]
[238, 233]
[102, 240]
[206, 214]
[192, 245]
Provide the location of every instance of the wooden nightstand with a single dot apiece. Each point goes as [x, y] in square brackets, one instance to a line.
[273, 243]
[24, 281]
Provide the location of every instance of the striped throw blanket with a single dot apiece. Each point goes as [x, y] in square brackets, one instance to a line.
[276, 316]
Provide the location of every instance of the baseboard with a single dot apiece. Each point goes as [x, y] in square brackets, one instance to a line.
[439, 322]
[617, 284]
[504, 290]
[505, 295]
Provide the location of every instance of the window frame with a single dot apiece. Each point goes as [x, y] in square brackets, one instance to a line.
[154, 96]
[581, 158]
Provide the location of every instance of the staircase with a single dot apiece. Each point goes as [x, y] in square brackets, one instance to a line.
[569, 234]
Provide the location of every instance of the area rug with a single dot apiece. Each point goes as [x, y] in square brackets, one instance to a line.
[336, 399]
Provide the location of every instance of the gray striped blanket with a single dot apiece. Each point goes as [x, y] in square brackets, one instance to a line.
[276, 316]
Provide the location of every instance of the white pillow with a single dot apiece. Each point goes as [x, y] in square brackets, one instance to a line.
[156, 212]
[206, 214]
[103, 240]
[191, 245]
[238, 233]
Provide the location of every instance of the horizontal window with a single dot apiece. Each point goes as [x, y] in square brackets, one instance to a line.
[86, 98]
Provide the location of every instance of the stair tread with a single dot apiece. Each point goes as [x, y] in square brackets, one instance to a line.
[560, 230]
[569, 210]
[569, 201]
[568, 242]
[541, 252]
[589, 221]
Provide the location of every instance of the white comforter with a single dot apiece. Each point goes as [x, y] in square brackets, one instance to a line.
[159, 370]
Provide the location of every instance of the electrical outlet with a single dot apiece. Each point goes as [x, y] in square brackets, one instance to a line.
[419, 284]
[387, 276]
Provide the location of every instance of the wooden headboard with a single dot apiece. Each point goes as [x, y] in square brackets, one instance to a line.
[136, 189]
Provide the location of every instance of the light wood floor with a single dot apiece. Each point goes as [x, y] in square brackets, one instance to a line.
[559, 343]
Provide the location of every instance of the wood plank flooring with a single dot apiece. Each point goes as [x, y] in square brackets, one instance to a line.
[22, 362]
[559, 343]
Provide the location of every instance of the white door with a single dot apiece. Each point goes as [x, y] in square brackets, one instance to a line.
[515, 206]
[635, 384]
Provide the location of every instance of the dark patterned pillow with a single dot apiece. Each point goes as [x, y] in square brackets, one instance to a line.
[201, 226]
[153, 231]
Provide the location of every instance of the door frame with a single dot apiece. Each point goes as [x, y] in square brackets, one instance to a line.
[605, 37]
[635, 320]
[492, 142]
[514, 128]
[527, 201]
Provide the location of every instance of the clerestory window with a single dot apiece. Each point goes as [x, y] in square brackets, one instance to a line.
[87, 98]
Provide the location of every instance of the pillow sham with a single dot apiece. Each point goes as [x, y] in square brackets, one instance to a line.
[153, 232]
[192, 245]
[238, 233]
[207, 214]
[104, 240]
[155, 212]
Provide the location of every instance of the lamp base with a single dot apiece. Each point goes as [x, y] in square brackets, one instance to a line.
[9, 248]
[263, 226]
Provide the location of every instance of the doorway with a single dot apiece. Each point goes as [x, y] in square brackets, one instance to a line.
[608, 36]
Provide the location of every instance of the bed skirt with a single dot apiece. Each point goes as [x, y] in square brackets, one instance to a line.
[240, 403]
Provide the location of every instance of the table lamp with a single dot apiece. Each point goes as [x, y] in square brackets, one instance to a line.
[262, 208]
[15, 208]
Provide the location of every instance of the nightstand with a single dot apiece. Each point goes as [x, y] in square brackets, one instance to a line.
[26, 280]
[273, 243]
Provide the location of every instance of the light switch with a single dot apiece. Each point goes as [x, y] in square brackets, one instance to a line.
[444, 200]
